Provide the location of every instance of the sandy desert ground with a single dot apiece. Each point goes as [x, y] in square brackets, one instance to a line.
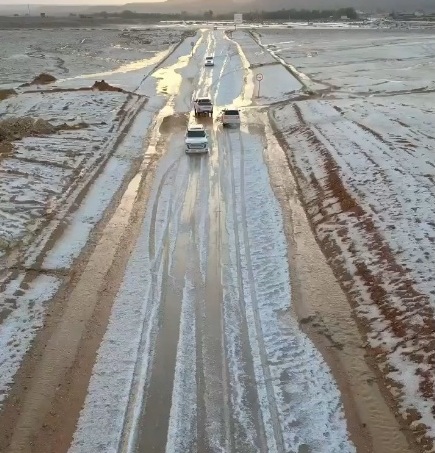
[363, 156]
[275, 295]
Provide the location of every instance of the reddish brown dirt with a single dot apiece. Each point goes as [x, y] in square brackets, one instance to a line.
[4, 94]
[41, 79]
[104, 86]
[6, 149]
[97, 86]
[13, 129]
[383, 268]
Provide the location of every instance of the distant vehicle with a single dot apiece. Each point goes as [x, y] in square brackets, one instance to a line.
[215, 27]
[209, 61]
[196, 140]
[230, 117]
[203, 106]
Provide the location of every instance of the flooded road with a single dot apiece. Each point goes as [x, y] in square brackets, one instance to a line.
[189, 290]
[215, 360]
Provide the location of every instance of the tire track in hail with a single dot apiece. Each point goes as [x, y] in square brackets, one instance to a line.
[202, 442]
[200, 313]
[187, 427]
[250, 379]
[258, 328]
[155, 418]
[145, 349]
[154, 346]
[208, 352]
[152, 236]
[214, 425]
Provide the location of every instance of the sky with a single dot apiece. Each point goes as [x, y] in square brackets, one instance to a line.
[72, 2]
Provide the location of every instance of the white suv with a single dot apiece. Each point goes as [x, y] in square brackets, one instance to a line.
[196, 140]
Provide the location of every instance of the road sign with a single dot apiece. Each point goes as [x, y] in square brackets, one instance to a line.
[259, 78]
[238, 18]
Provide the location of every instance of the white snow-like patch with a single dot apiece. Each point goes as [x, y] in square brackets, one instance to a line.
[35, 180]
[277, 85]
[72, 53]
[255, 54]
[357, 61]
[120, 374]
[82, 222]
[277, 82]
[18, 330]
[382, 151]
[290, 373]
[90, 212]
[182, 419]
[202, 216]
[227, 82]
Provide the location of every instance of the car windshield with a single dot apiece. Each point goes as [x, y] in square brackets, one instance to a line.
[209, 58]
[204, 101]
[196, 134]
[231, 112]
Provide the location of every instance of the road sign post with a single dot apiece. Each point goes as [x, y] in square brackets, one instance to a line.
[192, 44]
[259, 78]
[238, 20]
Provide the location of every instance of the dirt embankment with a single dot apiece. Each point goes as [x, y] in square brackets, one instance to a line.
[17, 128]
[14, 129]
[99, 85]
[104, 86]
[41, 79]
[4, 94]
[47, 79]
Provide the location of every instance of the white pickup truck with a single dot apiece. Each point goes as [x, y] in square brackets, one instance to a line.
[230, 117]
[196, 140]
[203, 106]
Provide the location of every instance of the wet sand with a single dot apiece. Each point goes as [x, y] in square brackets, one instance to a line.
[319, 304]
[326, 316]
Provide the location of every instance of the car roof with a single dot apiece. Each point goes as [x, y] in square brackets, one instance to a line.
[195, 127]
[203, 99]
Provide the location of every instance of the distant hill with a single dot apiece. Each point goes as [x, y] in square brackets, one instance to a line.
[172, 6]
[270, 5]
[363, 5]
[219, 6]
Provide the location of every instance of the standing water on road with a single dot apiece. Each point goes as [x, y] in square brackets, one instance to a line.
[203, 351]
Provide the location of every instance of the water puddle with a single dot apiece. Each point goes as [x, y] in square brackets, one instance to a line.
[129, 67]
[245, 98]
[169, 78]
